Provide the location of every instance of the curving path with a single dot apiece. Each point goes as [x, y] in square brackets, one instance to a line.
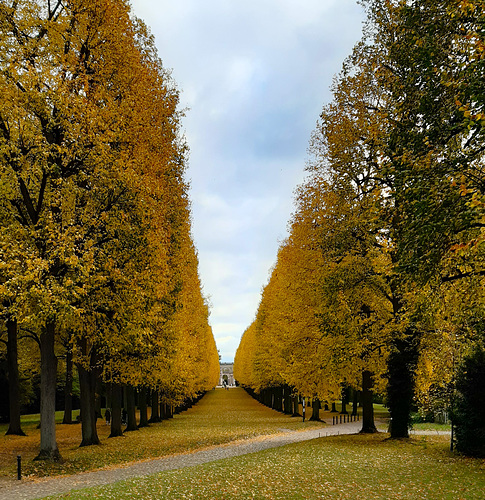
[62, 484]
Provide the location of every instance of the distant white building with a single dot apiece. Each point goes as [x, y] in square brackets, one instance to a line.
[227, 374]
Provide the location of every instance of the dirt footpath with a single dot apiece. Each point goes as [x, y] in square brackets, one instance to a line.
[40, 488]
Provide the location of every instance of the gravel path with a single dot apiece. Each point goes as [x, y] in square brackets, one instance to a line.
[40, 488]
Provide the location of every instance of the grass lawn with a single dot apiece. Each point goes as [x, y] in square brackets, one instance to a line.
[221, 416]
[353, 467]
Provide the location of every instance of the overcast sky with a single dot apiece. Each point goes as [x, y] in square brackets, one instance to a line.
[254, 75]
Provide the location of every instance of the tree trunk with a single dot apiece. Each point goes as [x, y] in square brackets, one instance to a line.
[268, 398]
[14, 426]
[368, 425]
[400, 389]
[334, 408]
[355, 402]
[168, 410]
[68, 388]
[116, 429]
[108, 395]
[315, 410]
[142, 394]
[278, 398]
[97, 397]
[155, 415]
[345, 396]
[287, 402]
[131, 409]
[88, 377]
[87, 384]
[295, 405]
[48, 379]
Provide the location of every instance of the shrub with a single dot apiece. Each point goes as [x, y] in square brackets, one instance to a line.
[469, 411]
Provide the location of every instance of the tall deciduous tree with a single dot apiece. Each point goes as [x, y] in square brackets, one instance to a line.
[92, 166]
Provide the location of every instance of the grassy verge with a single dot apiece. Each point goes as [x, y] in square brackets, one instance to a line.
[429, 426]
[221, 416]
[363, 467]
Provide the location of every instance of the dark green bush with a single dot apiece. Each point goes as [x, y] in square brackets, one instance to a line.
[469, 411]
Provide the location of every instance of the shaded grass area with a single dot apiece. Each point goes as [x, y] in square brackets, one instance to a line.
[220, 417]
[430, 426]
[353, 467]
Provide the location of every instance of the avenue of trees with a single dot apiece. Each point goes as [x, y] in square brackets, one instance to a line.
[380, 285]
[98, 269]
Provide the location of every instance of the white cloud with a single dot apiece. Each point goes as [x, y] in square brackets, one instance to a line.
[255, 75]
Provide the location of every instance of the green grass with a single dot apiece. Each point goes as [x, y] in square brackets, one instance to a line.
[353, 467]
[429, 426]
[380, 411]
[220, 417]
[30, 422]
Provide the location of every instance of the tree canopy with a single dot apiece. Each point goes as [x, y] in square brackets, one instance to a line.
[95, 220]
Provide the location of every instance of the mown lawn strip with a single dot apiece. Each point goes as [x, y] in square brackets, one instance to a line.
[363, 467]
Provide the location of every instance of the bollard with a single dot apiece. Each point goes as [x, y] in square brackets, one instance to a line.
[19, 467]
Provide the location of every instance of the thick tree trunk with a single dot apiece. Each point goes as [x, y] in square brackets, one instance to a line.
[48, 379]
[315, 410]
[14, 426]
[131, 409]
[278, 402]
[116, 429]
[368, 425]
[334, 408]
[68, 388]
[87, 384]
[142, 403]
[88, 378]
[155, 415]
[400, 389]
[268, 397]
[163, 411]
[168, 410]
[401, 365]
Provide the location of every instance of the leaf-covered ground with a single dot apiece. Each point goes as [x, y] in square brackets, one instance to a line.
[345, 467]
[220, 417]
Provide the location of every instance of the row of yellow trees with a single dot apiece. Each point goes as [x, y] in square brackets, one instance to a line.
[382, 275]
[97, 263]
